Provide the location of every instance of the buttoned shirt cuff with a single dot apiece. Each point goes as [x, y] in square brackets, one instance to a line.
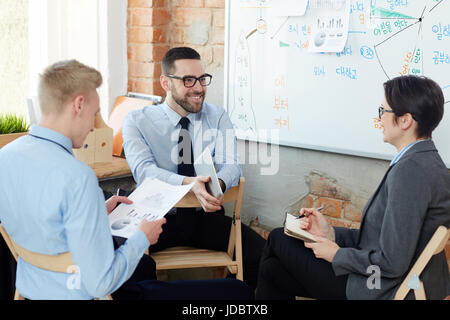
[227, 181]
[139, 241]
[175, 179]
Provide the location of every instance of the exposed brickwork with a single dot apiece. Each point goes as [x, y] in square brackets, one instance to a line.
[155, 26]
[341, 206]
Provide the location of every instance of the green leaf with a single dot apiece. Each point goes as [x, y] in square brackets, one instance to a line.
[11, 123]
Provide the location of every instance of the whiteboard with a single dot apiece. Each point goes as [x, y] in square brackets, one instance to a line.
[279, 92]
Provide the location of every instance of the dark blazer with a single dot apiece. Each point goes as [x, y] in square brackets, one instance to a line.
[412, 200]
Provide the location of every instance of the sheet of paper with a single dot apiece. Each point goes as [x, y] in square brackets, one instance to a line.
[329, 31]
[287, 8]
[151, 201]
[204, 166]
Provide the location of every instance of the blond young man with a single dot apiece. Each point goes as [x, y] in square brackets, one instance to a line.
[51, 203]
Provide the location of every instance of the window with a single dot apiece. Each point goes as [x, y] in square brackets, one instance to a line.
[91, 31]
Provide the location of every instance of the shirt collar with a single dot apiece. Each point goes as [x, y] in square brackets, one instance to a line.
[174, 117]
[52, 136]
[402, 152]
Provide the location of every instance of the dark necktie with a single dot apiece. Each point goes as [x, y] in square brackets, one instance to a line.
[185, 166]
[186, 156]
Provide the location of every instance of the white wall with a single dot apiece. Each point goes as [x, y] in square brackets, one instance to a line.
[13, 55]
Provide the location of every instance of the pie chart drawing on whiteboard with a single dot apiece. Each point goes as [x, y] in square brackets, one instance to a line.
[413, 46]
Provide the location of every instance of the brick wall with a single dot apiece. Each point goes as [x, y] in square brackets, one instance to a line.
[154, 26]
[342, 207]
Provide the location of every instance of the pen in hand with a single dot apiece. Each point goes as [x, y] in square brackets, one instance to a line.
[304, 215]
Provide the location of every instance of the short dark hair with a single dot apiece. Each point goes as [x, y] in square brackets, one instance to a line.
[419, 96]
[175, 54]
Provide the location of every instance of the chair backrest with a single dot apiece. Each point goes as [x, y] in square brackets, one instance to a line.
[234, 194]
[34, 111]
[122, 106]
[8, 240]
[58, 263]
[435, 245]
[62, 263]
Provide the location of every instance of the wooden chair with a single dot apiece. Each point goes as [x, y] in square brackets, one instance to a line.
[412, 282]
[57, 263]
[122, 106]
[188, 257]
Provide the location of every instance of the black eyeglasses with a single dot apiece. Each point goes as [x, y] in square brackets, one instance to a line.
[382, 110]
[190, 81]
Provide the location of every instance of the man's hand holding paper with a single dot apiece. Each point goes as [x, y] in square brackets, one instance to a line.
[152, 229]
[112, 202]
[208, 202]
[150, 201]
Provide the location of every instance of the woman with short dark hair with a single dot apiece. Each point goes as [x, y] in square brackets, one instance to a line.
[411, 202]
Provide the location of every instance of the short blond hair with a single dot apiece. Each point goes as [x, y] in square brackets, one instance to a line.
[62, 81]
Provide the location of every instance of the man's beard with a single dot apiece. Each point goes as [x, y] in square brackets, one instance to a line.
[184, 103]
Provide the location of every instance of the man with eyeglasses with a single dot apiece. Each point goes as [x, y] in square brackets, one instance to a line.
[161, 142]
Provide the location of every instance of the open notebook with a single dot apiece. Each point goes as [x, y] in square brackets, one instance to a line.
[292, 229]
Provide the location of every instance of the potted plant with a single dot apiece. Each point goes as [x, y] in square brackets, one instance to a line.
[12, 127]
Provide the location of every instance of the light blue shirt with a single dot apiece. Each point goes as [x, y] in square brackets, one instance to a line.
[51, 203]
[151, 134]
[402, 152]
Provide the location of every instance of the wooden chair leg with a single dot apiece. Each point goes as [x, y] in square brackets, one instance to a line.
[18, 296]
[240, 271]
[420, 293]
[232, 240]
